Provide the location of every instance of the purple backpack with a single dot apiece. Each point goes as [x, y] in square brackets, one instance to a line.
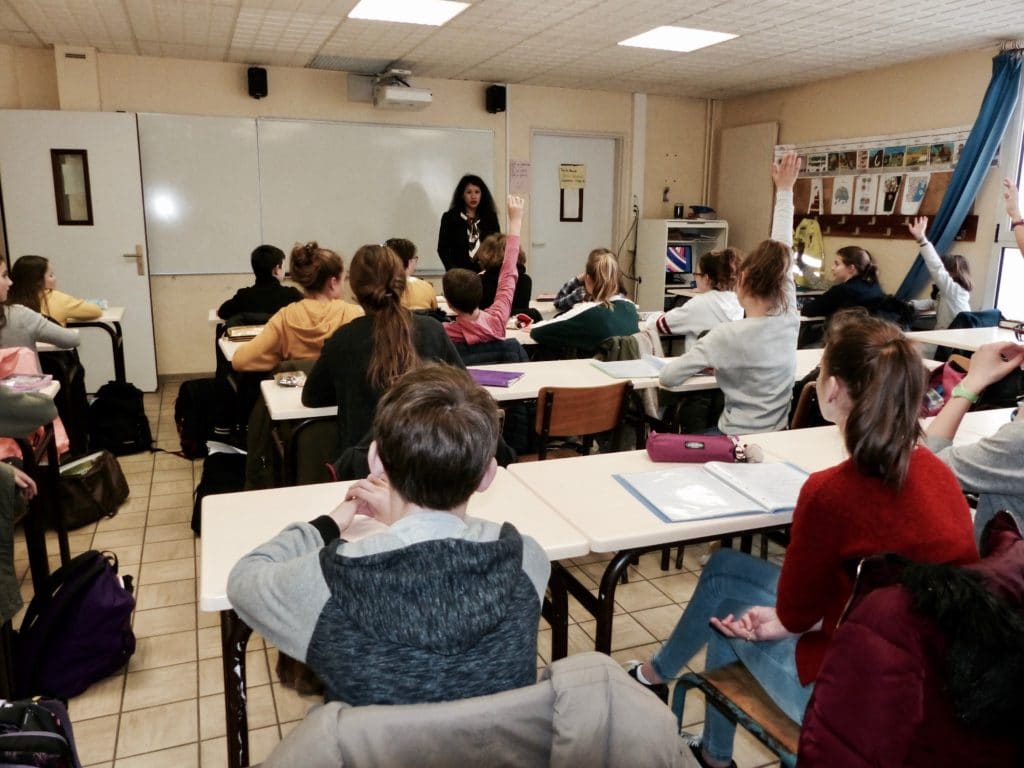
[78, 631]
[36, 733]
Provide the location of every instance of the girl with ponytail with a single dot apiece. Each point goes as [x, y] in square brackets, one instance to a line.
[361, 361]
[890, 495]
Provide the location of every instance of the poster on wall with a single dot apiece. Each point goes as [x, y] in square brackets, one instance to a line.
[866, 192]
[913, 193]
[888, 193]
[815, 203]
[842, 195]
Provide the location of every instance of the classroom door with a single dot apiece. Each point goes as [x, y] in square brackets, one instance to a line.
[97, 261]
[558, 249]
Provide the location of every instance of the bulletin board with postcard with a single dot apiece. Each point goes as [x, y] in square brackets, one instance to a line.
[871, 187]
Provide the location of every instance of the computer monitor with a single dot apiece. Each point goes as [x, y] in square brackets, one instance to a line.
[678, 264]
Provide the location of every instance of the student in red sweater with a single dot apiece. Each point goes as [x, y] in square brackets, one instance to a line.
[463, 288]
[890, 496]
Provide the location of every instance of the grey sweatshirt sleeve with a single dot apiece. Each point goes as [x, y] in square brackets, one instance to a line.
[22, 412]
[782, 231]
[278, 589]
[994, 464]
[536, 565]
[690, 363]
[52, 333]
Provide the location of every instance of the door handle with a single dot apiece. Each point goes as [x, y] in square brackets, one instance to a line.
[138, 256]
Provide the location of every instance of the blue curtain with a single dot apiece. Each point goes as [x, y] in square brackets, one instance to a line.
[996, 108]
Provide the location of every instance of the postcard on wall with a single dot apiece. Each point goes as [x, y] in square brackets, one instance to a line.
[893, 157]
[519, 177]
[913, 193]
[862, 160]
[814, 204]
[917, 156]
[888, 193]
[842, 195]
[848, 161]
[817, 163]
[833, 162]
[875, 157]
[941, 154]
[866, 192]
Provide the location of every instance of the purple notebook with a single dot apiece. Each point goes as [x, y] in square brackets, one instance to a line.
[494, 378]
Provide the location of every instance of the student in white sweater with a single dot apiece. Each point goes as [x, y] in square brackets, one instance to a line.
[951, 275]
[716, 302]
[755, 357]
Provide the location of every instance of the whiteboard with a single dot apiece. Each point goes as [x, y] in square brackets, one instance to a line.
[200, 185]
[348, 184]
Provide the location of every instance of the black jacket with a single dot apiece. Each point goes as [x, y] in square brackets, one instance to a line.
[267, 296]
[855, 292]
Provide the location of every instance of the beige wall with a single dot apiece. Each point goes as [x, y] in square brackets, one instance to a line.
[28, 78]
[674, 155]
[935, 93]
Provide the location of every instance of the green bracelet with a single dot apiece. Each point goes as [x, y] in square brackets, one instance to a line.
[961, 391]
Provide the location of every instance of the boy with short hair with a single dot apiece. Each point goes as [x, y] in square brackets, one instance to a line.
[419, 294]
[266, 295]
[439, 606]
[463, 288]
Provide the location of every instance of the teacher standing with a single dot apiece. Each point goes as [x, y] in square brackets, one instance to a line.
[470, 218]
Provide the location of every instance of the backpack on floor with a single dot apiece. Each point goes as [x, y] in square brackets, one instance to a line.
[117, 420]
[36, 733]
[194, 415]
[77, 631]
[222, 473]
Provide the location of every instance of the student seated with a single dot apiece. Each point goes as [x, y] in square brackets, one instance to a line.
[266, 295]
[889, 496]
[23, 327]
[361, 361]
[35, 287]
[755, 357]
[951, 275]
[462, 288]
[715, 302]
[419, 294]
[856, 284]
[993, 467]
[298, 331]
[491, 259]
[606, 313]
[439, 606]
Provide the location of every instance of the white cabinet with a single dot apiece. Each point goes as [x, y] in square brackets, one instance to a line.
[688, 238]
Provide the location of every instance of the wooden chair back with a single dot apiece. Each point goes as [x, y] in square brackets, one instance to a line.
[803, 406]
[579, 411]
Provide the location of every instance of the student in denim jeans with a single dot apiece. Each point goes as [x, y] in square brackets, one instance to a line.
[889, 496]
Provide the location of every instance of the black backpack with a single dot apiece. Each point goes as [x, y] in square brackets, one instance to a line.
[117, 420]
[222, 473]
[194, 415]
[78, 630]
[37, 733]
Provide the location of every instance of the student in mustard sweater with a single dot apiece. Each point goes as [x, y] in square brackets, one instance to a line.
[462, 288]
[299, 330]
[607, 313]
[419, 294]
[890, 496]
[35, 287]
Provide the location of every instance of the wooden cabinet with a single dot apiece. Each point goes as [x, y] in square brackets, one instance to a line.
[689, 239]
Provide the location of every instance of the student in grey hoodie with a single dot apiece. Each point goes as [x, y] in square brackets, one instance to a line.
[438, 607]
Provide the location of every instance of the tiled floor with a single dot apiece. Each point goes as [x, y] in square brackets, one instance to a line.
[166, 710]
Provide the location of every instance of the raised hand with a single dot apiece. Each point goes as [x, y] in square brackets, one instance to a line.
[515, 214]
[1011, 197]
[785, 170]
[918, 227]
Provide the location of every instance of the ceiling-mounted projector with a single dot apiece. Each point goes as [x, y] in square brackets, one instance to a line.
[393, 96]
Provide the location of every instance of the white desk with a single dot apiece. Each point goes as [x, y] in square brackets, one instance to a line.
[285, 403]
[962, 338]
[235, 523]
[584, 492]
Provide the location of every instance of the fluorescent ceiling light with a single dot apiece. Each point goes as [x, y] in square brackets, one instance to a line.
[680, 39]
[432, 12]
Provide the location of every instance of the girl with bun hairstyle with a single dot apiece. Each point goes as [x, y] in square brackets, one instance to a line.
[716, 302]
[856, 284]
[755, 357]
[890, 495]
[35, 287]
[298, 331]
[361, 361]
[604, 314]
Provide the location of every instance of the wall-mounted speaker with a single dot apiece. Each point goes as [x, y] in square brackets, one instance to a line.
[257, 82]
[495, 99]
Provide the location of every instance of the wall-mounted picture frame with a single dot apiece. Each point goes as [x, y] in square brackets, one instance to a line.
[71, 189]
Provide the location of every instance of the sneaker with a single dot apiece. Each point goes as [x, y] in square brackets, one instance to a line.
[692, 740]
[658, 689]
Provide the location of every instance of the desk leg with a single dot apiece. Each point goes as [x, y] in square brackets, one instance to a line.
[606, 600]
[556, 611]
[234, 637]
[117, 339]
